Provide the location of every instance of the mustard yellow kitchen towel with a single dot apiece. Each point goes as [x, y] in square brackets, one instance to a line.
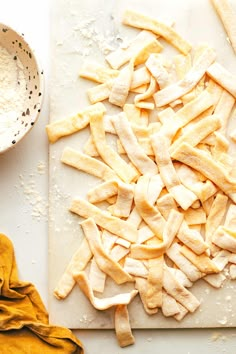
[24, 326]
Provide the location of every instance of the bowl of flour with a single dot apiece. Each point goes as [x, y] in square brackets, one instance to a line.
[21, 88]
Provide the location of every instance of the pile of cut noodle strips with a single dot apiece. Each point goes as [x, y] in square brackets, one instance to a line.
[170, 185]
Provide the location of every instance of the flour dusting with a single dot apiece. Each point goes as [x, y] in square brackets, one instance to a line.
[12, 94]
[38, 204]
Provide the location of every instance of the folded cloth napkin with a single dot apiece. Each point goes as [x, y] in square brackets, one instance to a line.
[24, 326]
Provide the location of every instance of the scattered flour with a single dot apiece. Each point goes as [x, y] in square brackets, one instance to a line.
[38, 204]
[106, 40]
[41, 168]
[217, 336]
[12, 94]
[223, 321]
[86, 319]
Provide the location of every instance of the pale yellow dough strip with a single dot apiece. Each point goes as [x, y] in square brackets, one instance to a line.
[155, 186]
[121, 86]
[181, 277]
[121, 56]
[140, 89]
[194, 108]
[221, 146]
[124, 201]
[122, 326]
[118, 252]
[111, 223]
[215, 280]
[124, 192]
[195, 216]
[223, 77]
[135, 153]
[156, 68]
[192, 238]
[215, 217]
[138, 20]
[198, 50]
[140, 77]
[182, 66]
[144, 143]
[100, 92]
[89, 148]
[184, 197]
[198, 132]
[98, 73]
[152, 47]
[187, 267]
[228, 17]
[107, 124]
[207, 204]
[202, 261]
[133, 115]
[144, 234]
[221, 259]
[138, 100]
[177, 90]
[120, 241]
[77, 263]
[186, 114]
[112, 159]
[230, 220]
[179, 292]
[204, 190]
[165, 203]
[225, 238]
[154, 279]
[141, 286]
[105, 303]
[87, 164]
[97, 277]
[224, 108]
[102, 191]
[135, 267]
[169, 305]
[68, 126]
[165, 115]
[182, 312]
[202, 162]
[215, 91]
[149, 192]
[172, 226]
[108, 240]
[103, 260]
[145, 207]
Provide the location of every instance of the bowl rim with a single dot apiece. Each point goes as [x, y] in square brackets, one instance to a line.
[41, 78]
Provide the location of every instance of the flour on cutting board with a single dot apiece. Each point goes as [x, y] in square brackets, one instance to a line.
[89, 31]
[12, 93]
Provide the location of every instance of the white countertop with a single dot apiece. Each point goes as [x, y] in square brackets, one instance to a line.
[23, 210]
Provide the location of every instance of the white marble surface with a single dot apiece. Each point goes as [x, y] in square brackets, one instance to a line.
[23, 215]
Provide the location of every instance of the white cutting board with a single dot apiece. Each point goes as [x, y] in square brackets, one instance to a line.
[71, 45]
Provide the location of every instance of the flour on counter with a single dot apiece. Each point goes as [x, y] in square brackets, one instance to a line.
[38, 204]
[12, 94]
[217, 336]
[41, 168]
